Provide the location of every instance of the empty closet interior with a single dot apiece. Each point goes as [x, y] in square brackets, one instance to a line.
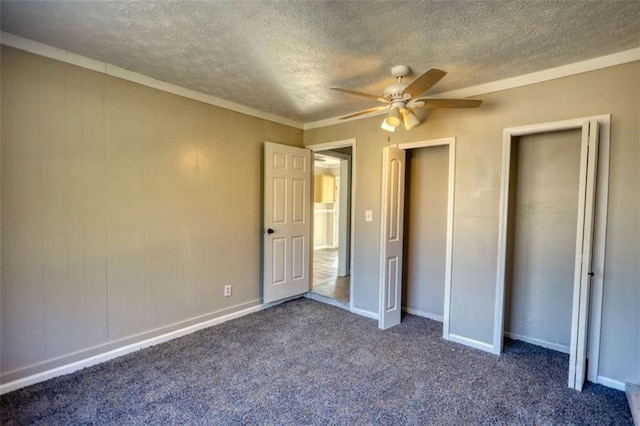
[541, 238]
[425, 231]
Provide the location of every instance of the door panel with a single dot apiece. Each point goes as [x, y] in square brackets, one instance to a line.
[279, 200]
[279, 249]
[392, 286]
[300, 162]
[297, 257]
[299, 200]
[392, 216]
[287, 221]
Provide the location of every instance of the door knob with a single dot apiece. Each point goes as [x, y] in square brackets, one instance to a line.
[591, 274]
[270, 231]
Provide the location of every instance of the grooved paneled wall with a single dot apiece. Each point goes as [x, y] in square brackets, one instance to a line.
[125, 210]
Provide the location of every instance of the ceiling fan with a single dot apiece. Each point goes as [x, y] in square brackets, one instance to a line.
[401, 98]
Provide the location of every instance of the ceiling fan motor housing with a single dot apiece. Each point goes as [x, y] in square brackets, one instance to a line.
[394, 91]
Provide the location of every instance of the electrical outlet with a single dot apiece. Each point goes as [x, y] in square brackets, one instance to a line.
[227, 290]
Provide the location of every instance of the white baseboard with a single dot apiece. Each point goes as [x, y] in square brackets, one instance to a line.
[424, 314]
[364, 313]
[611, 383]
[470, 342]
[115, 353]
[538, 342]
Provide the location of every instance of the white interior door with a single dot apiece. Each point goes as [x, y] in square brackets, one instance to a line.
[287, 221]
[584, 244]
[392, 217]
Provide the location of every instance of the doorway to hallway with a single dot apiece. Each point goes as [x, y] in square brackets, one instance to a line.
[331, 279]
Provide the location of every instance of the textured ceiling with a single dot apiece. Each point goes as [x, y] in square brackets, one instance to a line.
[282, 56]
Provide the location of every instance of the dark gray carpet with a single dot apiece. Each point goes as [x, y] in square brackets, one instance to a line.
[308, 363]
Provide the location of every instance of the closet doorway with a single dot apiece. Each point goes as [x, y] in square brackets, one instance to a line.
[551, 239]
[392, 261]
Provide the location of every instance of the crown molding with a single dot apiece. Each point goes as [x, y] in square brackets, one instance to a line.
[61, 55]
[51, 52]
[593, 64]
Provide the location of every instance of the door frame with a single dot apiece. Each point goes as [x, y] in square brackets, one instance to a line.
[594, 313]
[328, 146]
[451, 183]
[335, 231]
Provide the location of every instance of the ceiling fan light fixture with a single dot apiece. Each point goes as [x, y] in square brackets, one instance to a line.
[393, 118]
[410, 119]
[385, 126]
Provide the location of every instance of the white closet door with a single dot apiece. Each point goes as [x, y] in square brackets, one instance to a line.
[392, 217]
[584, 245]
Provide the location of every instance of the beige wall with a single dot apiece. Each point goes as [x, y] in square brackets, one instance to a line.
[125, 210]
[614, 90]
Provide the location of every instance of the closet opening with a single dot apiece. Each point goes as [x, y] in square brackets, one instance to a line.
[541, 238]
[425, 231]
[417, 231]
[551, 230]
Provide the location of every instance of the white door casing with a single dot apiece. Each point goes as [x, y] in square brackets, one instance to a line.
[392, 220]
[287, 221]
[590, 245]
[335, 237]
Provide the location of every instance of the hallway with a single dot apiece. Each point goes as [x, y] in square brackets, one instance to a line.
[326, 281]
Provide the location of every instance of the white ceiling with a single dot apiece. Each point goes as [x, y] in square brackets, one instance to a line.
[282, 56]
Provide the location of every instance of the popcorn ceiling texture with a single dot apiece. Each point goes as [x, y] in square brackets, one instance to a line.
[282, 56]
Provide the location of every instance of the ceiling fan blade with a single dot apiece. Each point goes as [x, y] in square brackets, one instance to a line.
[424, 82]
[446, 103]
[366, 95]
[363, 112]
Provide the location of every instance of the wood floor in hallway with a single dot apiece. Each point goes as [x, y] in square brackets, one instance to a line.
[326, 281]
